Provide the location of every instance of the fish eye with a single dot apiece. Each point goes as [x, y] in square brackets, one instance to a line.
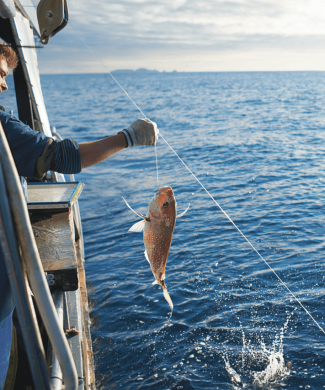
[165, 205]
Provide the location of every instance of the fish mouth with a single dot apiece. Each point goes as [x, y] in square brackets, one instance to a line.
[164, 189]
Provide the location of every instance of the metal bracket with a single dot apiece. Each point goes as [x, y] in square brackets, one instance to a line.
[50, 280]
[52, 17]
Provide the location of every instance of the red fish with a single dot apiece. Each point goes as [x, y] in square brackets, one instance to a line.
[158, 227]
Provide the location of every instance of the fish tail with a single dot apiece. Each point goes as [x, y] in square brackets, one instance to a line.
[167, 297]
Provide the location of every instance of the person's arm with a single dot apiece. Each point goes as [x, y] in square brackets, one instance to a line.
[68, 156]
[92, 153]
[141, 132]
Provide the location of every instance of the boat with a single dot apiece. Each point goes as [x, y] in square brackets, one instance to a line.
[49, 346]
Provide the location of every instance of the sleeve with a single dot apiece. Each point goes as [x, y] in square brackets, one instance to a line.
[26, 144]
[67, 157]
[34, 153]
[59, 156]
[44, 162]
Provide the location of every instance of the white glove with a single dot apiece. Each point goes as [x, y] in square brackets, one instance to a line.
[141, 132]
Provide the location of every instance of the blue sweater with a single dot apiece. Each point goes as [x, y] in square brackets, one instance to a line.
[27, 146]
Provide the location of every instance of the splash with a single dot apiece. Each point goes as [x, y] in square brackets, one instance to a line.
[259, 366]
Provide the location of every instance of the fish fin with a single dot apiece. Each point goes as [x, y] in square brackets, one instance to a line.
[137, 227]
[180, 215]
[147, 257]
[138, 214]
[167, 297]
[154, 282]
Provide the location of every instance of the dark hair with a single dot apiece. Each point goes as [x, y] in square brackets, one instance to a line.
[7, 53]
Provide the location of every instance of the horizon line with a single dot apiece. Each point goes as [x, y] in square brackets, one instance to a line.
[142, 70]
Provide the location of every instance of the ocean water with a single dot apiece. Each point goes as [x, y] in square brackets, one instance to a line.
[256, 141]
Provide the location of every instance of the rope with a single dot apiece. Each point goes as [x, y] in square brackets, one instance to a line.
[227, 216]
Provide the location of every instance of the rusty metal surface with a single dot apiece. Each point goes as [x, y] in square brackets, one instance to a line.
[54, 239]
[89, 370]
[54, 235]
[74, 321]
[63, 257]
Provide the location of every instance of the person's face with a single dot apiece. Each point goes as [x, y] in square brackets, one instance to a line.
[3, 74]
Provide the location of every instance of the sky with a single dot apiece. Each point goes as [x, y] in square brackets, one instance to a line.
[189, 35]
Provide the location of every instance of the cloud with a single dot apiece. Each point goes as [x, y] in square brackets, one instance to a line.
[203, 19]
[160, 34]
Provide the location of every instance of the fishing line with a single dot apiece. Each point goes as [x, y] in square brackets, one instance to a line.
[119, 86]
[227, 216]
[243, 235]
[157, 164]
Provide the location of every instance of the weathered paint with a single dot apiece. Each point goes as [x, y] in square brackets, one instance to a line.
[54, 235]
[5, 345]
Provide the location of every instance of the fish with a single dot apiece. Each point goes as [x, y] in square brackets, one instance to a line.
[158, 228]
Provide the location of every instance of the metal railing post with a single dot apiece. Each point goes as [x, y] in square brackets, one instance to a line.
[55, 369]
[34, 266]
[29, 328]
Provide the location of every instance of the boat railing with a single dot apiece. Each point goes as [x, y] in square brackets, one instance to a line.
[16, 232]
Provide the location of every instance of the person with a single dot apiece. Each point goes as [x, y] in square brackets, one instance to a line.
[34, 153]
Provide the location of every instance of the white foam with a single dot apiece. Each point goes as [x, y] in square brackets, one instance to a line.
[259, 365]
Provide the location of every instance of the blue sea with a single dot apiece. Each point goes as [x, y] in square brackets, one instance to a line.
[256, 141]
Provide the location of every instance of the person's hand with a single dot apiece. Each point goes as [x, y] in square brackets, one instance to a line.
[141, 132]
